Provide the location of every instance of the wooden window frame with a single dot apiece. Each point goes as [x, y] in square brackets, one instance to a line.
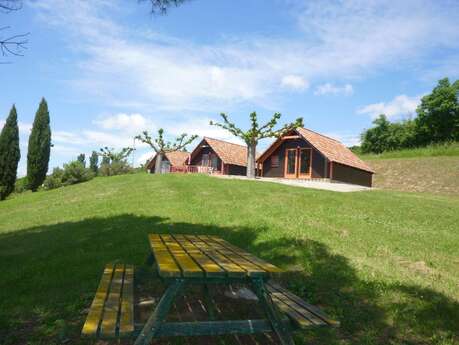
[294, 175]
[309, 173]
[297, 173]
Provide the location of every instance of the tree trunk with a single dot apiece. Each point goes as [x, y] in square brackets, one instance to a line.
[158, 163]
[251, 156]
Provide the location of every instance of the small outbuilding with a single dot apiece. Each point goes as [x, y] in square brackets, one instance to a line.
[172, 162]
[218, 156]
[305, 154]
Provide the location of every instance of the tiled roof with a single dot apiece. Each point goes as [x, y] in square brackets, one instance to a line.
[229, 153]
[333, 149]
[176, 158]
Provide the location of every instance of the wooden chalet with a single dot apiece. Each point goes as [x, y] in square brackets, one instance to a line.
[172, 162]
[305, 154]
[218, 156]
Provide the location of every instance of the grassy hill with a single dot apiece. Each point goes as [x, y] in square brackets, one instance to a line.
[433, 169]
[383, 263]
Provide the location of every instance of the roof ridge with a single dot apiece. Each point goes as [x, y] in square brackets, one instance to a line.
[224, 141]
[323, 135]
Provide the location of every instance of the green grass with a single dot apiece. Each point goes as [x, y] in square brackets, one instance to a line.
[383, 263]
[450, 149]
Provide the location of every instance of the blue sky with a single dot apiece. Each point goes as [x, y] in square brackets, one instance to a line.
[109, 69]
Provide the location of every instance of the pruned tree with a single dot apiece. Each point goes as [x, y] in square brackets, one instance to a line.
[9, 154]
[161, 146]
[39, 147]
[256, 132]
[162, 6]
[111, 155]
[14, 44]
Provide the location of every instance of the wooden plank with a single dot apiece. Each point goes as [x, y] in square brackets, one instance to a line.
[167, 267]
[127, 303]
[313, 309]
[112, 306]
[231, 268]
[252, 269]
[246, 255]
[291, 313]
[186, 263]
[92, 322]
[209, 266]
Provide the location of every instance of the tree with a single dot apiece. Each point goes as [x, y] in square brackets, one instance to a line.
[39, 147]
[438, 114]
[162, 6]
[161, 147]
[93, 162]
[115, 156]
[82, 159]
[12, 44]
[256, 132]
[9, 154]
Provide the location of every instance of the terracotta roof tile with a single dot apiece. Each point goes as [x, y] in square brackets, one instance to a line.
[229, 153]
[333, 149]
[176, 158]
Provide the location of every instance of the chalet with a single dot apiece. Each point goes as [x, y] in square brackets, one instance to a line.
[172, 162]
[305, 154]
[218, 156]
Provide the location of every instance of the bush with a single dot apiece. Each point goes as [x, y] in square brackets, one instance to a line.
[115, 168]
[54, 180]
[21, 185]
[75, 172]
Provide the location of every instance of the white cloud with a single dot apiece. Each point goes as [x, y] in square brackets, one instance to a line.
[329, 88]
[294, 82]
[348, 139]
[132, 123]
[397, 107]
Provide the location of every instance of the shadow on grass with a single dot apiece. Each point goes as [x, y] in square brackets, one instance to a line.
[50, 273]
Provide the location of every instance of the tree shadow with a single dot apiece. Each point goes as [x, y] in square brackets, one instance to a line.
[50, 273]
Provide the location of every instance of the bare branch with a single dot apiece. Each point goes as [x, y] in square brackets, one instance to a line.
[162, 6]
[161, 146]
[10, 5]
[13, 45]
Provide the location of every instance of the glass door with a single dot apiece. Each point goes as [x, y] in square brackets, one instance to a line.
[290, 163]
[304, 168]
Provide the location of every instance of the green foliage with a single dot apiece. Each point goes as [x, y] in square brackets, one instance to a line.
[75, 172]
[115, 156]
[54, 180]
[438, 114]
[9, 154]
[115, 168]
[21, 185]
[437, 122]
[434, 150]
[82, 158]
[94, 162]
[39, 147]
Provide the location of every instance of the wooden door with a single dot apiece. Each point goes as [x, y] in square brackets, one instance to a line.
[304, 163]
[290, 168]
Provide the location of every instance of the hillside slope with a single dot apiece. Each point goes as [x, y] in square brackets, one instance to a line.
[438, 175]
[383, 263]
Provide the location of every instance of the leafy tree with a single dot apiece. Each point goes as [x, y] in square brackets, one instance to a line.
[256, 132]
[375, 139]
[75, 172]
[114, 162]
[115, 156]
[39, 147]
[93, 162]
[438, 114]
[105, 160]
[82, 158]
[161, 147]
[9, 154]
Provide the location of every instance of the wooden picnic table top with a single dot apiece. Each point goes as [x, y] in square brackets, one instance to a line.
[200, 256]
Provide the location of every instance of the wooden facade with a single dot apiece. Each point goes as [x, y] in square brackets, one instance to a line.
[293, 156]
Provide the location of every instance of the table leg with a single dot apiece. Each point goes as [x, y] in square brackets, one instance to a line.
[273, 314]
[154, 322]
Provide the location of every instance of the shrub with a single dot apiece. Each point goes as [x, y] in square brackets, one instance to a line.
[75, 172]
[21, 185]
[54, 180]
[115, 168]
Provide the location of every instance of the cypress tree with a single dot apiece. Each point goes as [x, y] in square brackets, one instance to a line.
[9, 154]
[39, 147]
[93, 162]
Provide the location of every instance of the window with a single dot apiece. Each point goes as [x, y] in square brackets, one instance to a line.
[305, 161]
[274, 161]
[205, 159]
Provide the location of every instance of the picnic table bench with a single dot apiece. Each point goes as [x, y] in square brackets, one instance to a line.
[188, 260]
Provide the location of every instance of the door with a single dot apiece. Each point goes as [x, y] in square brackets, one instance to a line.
[290, 163]
[298, 163]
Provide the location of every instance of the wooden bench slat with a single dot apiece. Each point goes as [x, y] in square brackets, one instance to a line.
[167, 266]
[187, 265]
[92, 322]
[112, 306]
[210, 267]
[252, 269]
[126, 324]
[312, 308]
[292, 313]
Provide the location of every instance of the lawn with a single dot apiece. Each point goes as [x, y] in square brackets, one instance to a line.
[383, 263]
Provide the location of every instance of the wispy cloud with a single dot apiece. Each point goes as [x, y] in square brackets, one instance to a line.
[329, 88]
[399, 106]
[294, 82]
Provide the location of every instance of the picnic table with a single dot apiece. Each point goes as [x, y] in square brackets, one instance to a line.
[185, 260]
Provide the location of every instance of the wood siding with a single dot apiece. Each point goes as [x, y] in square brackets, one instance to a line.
[347, 174]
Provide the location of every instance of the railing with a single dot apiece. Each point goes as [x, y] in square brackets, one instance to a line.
[194, 169]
